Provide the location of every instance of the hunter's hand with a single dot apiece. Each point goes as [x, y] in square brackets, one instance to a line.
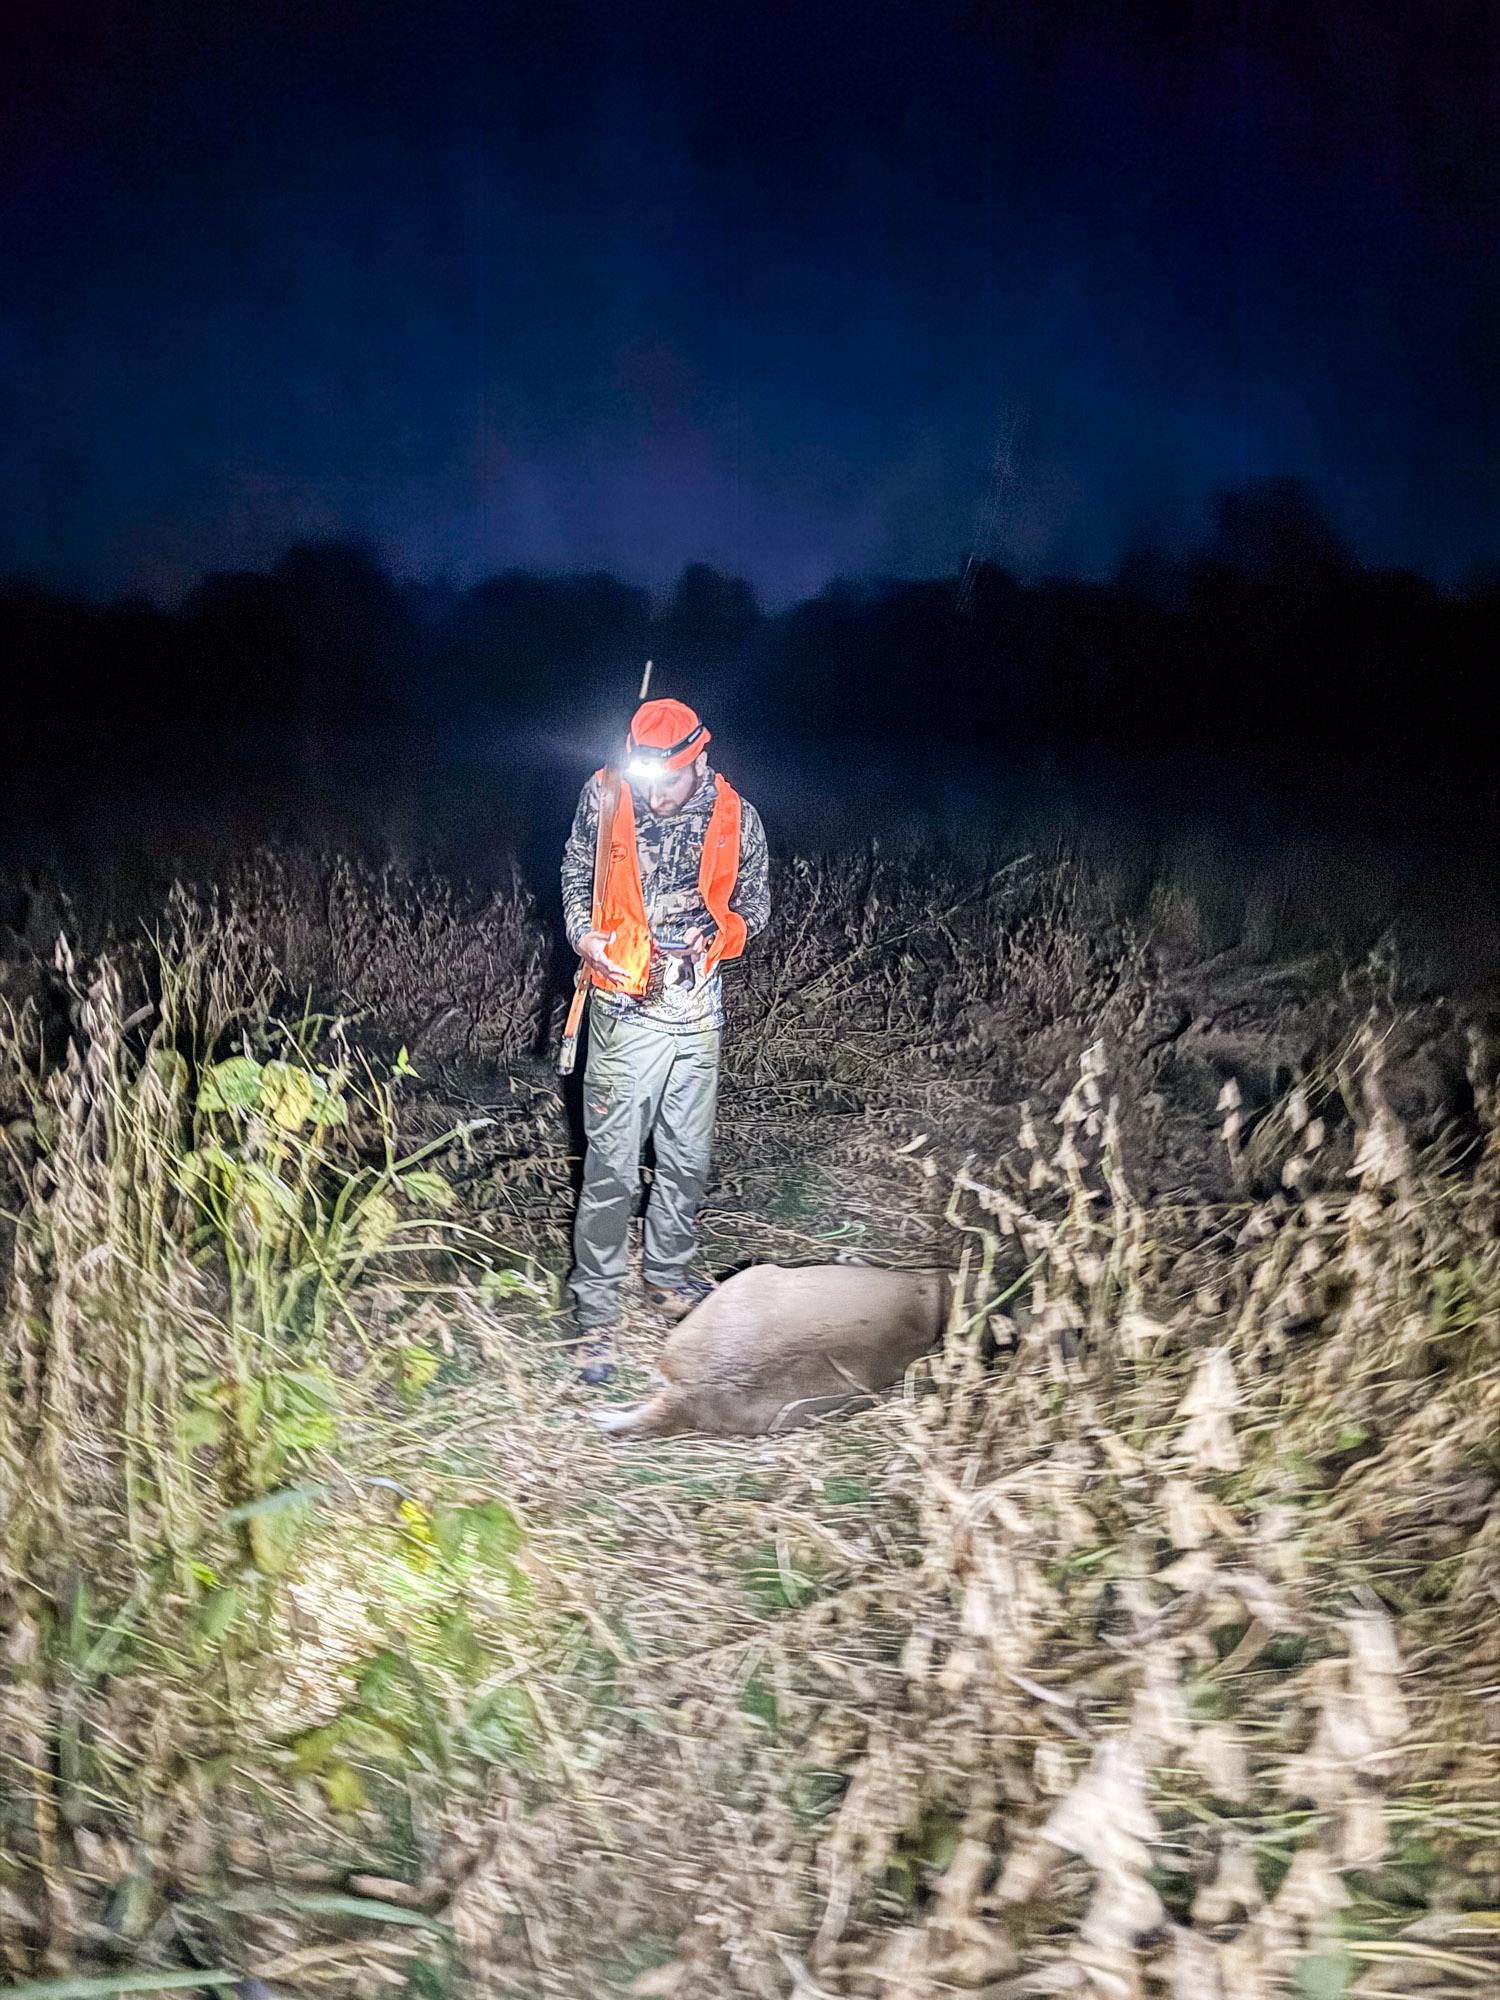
[593, 949]
[696, 941]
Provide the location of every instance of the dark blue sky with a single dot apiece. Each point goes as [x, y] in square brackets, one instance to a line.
[629, 285]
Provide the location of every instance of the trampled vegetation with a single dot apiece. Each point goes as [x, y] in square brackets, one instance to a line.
[1146, 1643]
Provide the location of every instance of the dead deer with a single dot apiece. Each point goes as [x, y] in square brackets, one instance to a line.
[775, 1347]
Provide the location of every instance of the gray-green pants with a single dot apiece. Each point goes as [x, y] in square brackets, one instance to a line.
[640, 1081]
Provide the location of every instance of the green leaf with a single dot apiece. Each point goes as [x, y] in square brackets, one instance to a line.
[78, 1622]
[380, 1680]
[250, 1401]
[812, 1792]
[201, 1425]
[507, 1283]
[502, 1725]
[937, 1838]
[314, 1747]
[448, 1525]
[218, 1612]
[288, 1095]
[274, 1522]
[344, 1789]
[74, 1987]
[315, 1387]
[306, 1414]
[903, 1878]
[203, 1164]
[417, 1366]
[170, 1067]
[267, 1459]
[462, 1648]
[331, 1108]
[427, 1187]
[233, 1085]
[496, 1533]
[374, 1221]
[259, 1185]
[273, 1537]
[334, 1905]
[758, 1700]
[1325, 1975]
[272, 1503]
[386, 1742]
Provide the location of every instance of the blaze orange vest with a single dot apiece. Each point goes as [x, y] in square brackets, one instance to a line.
[622, 916]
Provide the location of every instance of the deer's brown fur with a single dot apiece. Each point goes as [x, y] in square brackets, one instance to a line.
[774, 1347]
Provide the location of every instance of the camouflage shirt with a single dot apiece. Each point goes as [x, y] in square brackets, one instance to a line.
[670, 851]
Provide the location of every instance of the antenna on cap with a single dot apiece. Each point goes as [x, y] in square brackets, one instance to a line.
[645, 682]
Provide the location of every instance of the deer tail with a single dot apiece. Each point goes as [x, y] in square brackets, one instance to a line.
[658, 1416]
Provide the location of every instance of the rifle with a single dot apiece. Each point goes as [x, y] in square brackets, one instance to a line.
[609, 799]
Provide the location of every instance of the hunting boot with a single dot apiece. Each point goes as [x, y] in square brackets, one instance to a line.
[595, 1357]
[592, 1349]
[677, 1300]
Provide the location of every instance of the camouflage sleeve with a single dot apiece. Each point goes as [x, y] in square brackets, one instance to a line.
[578, 864]
[752, 892]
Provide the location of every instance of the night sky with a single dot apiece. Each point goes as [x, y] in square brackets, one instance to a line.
[625, 286]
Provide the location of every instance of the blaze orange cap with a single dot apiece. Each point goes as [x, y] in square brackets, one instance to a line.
[667, 733]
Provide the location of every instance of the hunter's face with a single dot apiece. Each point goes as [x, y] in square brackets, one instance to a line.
[669, 791]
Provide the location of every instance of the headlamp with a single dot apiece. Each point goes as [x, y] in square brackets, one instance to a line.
[647, 760]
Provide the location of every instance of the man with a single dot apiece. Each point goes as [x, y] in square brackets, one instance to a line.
[687, 886]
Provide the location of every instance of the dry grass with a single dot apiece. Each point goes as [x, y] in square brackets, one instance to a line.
[1146, 1644]
[449, 968]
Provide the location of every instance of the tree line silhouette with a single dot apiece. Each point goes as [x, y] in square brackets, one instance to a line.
[1270, 638]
